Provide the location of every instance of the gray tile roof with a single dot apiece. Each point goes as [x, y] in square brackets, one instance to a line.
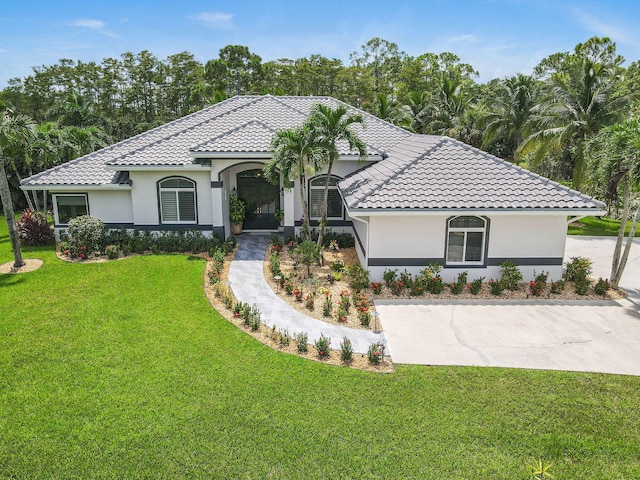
[239, 124]
[434, 172]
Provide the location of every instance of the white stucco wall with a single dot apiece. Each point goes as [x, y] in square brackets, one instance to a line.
[510, 236]
[111, 206]
[144, 195]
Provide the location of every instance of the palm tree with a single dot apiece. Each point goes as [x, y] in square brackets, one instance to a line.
[296, 153]
[615, 155]
[510, 113]
[332, 126]
[13, 129]
[576, 104]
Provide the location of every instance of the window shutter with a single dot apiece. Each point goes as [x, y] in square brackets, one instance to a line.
[169, 206]
[187, 203]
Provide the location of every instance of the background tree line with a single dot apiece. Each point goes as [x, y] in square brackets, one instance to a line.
[543, 120]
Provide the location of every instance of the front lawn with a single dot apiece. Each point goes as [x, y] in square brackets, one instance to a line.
[595, 226]
[123, 370]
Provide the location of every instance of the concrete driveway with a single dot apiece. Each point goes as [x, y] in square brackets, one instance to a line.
[601, 336]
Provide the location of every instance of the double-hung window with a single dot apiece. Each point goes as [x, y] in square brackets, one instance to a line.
[177, 200]
[466, 237]
[335, 210]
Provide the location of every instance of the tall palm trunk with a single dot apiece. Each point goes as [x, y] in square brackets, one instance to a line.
[619, 261]
[7, 205]
[306, 229]
[325, 204]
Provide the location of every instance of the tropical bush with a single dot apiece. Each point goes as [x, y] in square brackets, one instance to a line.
[87, 231]
[34, 230]
[375, 353]
[322, 346]
[346, 350]
[112, 252]
[602, 286]
[579, 268]
[510, 275]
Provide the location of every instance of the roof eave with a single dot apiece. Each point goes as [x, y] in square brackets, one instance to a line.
[184, 168]
[358, 212]
[76, 187]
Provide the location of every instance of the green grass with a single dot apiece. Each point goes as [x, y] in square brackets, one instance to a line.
[594, 226]
[123, 370]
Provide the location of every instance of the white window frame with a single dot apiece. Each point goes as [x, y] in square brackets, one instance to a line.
[55, 196]
[331, 187]
[466, 230]
[176, 191]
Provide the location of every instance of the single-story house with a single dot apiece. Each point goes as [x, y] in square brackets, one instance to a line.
[415, 200]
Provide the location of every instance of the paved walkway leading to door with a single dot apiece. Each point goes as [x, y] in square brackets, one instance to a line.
[247, 281]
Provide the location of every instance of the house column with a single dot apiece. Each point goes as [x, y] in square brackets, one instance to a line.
[218, 208]
[288, 206]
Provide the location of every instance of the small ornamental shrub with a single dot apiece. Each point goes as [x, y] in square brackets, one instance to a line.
[581, 285]
[112, 252]
[510, 275]
[579, 268]
[407, 279]
[307, 253]
[346, 350]
[376, 288]
[229, 244]
[397, 287]
[87, 231]
[337, 266]
[364, 316]
[345, 299]
[302, 342]
[358, 277]
[297, 293]
[327, 305]
[274, 264]
[462, 277]
[602, 286]
[288, 287]
[34, 230]
[435, 285]
[475, 286]
[558, 286]
[253, 318]
[309, 301]
[322, 346]
[376, 353]
[342, 314]
[284, 338]
[417, 288]
[335, 277]
[237, 309]
[389, 276]
[455, 288]
[537, 286]
[497, 287]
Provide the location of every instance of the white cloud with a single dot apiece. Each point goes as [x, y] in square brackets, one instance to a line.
[97, 25]
[88, 23]
[215, 20]
[469, 37]
[3, 50]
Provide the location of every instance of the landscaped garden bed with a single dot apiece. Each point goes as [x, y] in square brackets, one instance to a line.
[321, 290]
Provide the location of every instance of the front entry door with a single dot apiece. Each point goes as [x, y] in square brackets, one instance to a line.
[262, 197]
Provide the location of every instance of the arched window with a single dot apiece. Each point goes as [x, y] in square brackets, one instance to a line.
[335, 209]
[466, 240]
[177, 200]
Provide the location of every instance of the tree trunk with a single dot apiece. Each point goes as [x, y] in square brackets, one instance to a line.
[615, 261]
[325, 206]
[7, 205]
[615, 280]
[306, 231]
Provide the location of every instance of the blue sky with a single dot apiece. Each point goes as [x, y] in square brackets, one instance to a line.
[497, 37]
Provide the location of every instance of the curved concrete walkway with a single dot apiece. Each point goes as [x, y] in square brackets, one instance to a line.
[247, 281]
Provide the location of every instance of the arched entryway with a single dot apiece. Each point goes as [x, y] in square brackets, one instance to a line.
[262, 197]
